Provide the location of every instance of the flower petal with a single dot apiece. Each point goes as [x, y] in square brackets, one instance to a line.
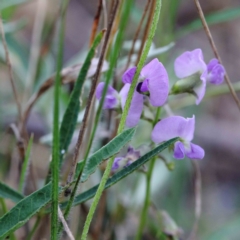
[201, 89]
[144, 86]
[216, 72]
[127, 77]
[179, 151]
[157, 82]
[195, 152]
[136, 106]
[213, 62]
[117, 163]
[189, 63]
[110, 98]
[174, 126]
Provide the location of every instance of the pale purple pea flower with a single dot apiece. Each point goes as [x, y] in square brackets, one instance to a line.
[111, 98]
[122, 162]
[176, 126]
[216, 72]
[155, 82]
[190, 63]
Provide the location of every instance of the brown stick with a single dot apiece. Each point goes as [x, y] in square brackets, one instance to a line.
[8, 61]
[147, 27]
[214, 48]
[137, 34]
[91, 94]
[95, 22]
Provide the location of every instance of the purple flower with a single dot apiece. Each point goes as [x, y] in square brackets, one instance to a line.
[216, 72]
[111, 98]
[177, 126]
[121, 162]
[155, 84]
[190, 63]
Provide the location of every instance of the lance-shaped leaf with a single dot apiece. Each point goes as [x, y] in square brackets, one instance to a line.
[9, 193]
[123, 173]
[70, 116]
[24, 210]
[113, 147]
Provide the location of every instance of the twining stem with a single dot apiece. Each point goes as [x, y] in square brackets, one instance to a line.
[147, 199]
[55, 149]
[107, 171]
[212, 43]
[8, 61]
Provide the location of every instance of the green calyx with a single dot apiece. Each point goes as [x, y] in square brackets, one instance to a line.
[187, 85]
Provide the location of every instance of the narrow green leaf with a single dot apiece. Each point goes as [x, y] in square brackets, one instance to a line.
[113, 147]
[213, 18]
[9, 193]
[121, 174]
[24, 210]
[70, 116]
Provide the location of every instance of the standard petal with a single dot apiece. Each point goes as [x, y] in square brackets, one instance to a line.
[136, 106]
[174, 126]
[110, 98]
[127, 77]
[179, 151]
[195, 152]
[157, 82]
[189, 63]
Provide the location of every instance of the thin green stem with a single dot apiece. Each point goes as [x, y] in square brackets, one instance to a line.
[5, 210]
[35, 226]
[124, 116]
[55, 150]
[148, 189]
[140, 64]
[25, 166]
[147, 200]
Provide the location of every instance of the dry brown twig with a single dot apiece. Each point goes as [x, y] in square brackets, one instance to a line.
[213, 45]
[137, 34]
[68, 75]
[146, 30]
[35, 45]
[96, 22]
[91, 94]
[65, 225]
[8, 61]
